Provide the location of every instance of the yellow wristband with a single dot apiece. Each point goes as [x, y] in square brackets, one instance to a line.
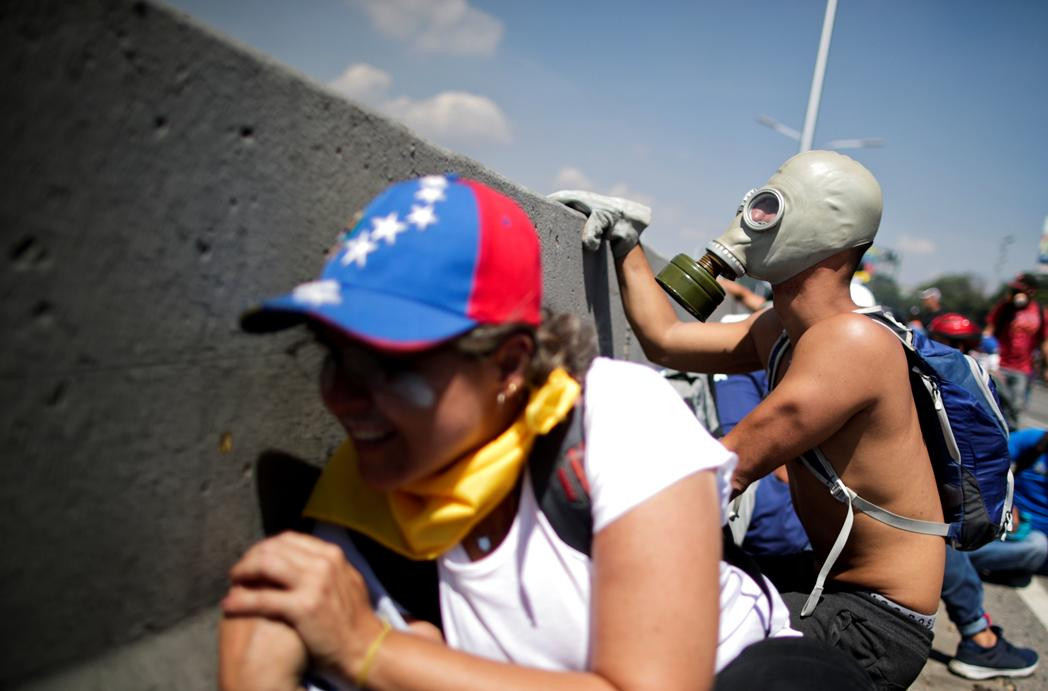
[372, 653]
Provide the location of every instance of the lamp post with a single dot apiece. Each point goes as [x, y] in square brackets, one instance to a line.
[815, 95]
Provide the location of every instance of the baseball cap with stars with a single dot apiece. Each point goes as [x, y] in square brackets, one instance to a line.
[430, 259]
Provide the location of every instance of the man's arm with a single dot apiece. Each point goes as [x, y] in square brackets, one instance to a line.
[692, 346]
[685, 346]
[831, 378]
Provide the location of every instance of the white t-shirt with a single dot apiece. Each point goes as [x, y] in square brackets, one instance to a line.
[528, 601]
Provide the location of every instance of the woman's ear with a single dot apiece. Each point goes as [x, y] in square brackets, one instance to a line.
[513, 357]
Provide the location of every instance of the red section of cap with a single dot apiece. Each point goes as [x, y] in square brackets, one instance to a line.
[507, 283]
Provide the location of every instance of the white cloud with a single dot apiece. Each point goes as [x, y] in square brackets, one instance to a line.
[452, 115]
[362, 82]
[435, 26]
[913, 245]
[569, 178]
[447, 116]
[621, 189]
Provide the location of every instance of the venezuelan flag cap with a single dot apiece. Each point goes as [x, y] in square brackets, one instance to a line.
[429, 259]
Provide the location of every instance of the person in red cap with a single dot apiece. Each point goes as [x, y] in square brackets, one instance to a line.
[1018, 324]
[454, 390]
[956, 331]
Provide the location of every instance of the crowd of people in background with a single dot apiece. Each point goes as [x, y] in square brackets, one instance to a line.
[1011, 344]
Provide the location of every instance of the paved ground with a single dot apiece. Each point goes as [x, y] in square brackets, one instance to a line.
[1023, 612]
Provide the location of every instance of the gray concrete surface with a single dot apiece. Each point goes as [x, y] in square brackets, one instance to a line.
[155, 180]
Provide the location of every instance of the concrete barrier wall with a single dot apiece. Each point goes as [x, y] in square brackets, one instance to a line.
[155, 180]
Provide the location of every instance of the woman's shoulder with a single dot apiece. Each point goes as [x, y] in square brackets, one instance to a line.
[630, 386]
[633, 400]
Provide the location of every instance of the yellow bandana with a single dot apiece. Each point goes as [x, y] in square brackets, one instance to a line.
[429, 516]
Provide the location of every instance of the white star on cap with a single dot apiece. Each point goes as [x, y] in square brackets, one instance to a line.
[422, 216]
[438, 181]
[318, 293]
[430, 194]
[387, 227]
[358, 248]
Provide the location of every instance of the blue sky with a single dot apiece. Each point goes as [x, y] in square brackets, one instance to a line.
[658, 101]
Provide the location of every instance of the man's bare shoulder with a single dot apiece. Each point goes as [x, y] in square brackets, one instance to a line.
[850, 340]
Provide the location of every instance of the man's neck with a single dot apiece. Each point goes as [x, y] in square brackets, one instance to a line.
[809, 297]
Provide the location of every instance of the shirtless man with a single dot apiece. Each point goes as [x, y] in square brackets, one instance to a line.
[842, 386]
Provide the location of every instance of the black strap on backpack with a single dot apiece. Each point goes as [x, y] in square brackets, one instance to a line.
[413, 585]
[559, 482]
[740, 559]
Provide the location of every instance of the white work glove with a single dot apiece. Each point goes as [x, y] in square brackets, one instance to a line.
[619, 219]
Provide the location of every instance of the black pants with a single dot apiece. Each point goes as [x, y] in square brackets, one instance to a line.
[791, 664]
[889, 647]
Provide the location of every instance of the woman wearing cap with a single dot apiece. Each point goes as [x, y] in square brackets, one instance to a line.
[1018, 324]
[444, 374]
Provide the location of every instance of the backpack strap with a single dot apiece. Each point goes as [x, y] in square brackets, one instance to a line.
[781, 347]
[558, 479]
[824, 472]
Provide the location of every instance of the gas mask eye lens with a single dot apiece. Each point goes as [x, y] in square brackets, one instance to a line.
[763, 210]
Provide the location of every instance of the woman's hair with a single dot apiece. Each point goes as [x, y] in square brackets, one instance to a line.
[561, 340]
[1004, 316]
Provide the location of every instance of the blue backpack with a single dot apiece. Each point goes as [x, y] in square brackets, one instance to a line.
[967, 440]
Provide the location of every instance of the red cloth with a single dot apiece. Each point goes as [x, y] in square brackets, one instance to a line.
[1020, 339]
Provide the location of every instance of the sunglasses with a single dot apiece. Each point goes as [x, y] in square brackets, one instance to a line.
[397, 374]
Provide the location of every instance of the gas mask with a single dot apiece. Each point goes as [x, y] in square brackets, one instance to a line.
[817, 204]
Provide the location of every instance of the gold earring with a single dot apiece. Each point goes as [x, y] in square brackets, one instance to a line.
[501, 397]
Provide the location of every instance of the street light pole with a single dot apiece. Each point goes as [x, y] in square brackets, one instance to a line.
[816, 82]
[805, 137]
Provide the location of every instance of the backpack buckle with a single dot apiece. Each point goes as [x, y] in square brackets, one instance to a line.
[840, 491]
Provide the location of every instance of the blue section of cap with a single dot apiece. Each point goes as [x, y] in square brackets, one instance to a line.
[379, 319]
[434, 264]
[402, 278]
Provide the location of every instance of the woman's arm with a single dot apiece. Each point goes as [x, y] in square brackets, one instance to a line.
[257, 654]
[749, 299]
[656, 594]
[654, 609]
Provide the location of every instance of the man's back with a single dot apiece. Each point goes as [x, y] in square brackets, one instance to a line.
[843, 386]
[880, 454]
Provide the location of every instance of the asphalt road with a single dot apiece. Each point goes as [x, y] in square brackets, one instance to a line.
[1022, 612]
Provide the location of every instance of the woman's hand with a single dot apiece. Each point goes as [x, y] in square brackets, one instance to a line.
[308, 584]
